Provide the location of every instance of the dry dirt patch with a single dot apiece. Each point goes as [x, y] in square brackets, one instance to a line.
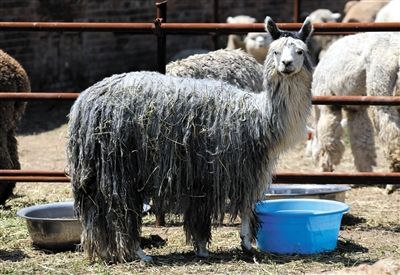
[370, 232]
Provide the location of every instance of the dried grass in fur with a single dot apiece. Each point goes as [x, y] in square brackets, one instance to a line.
[155, 136]
[190, 144]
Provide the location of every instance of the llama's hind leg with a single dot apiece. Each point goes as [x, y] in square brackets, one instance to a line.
[197, 225]
[362, 141]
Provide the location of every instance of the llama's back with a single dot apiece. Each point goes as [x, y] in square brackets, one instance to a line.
[233, 66]
[342, 71]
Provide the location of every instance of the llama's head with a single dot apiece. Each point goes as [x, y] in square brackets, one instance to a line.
[257, 44]
[289, 52]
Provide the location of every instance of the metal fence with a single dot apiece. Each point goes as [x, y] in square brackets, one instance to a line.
[162, 29]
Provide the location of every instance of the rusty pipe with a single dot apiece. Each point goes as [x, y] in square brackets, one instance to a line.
[317, 100]
[356, 100]
[283, 177]
[50, 173]
[33, 179]
[193, 28]
[38, 96]
[338, 178]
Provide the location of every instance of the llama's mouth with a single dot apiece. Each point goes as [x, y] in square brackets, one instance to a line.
[287, 71]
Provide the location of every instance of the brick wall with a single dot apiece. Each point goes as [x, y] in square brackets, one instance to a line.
[73, 61]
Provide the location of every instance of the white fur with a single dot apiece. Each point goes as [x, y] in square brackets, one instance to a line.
[389, 13]
[254, 43]
[362, 64]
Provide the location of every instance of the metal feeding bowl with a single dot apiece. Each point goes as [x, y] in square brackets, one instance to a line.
[53, 226]
[313, 191]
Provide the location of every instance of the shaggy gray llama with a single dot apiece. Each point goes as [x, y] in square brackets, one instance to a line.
[362, 64]
[191, 144]
[13, 78]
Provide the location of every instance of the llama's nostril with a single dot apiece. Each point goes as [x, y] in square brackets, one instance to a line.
[287, 62]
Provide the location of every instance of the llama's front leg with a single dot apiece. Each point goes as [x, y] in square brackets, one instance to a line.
[328, 147]
[245, 233]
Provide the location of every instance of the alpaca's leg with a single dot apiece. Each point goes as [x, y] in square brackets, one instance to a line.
[197, 225]
[328, 148]
[382, 81]
[394, 157]
[362, 142]
[6, 188]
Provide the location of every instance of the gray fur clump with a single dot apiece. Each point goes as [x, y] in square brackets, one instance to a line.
[13, 78]
[233, 66]
[200, 147]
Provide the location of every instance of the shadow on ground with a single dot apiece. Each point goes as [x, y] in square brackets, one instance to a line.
[12, 256]
[44, 116]
[342, 254]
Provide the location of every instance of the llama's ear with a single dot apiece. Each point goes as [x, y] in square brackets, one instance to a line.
[272, 28]
[306, 30]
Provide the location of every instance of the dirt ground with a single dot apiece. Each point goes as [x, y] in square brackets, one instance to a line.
[370, 231]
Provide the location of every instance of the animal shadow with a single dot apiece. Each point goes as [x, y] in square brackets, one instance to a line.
[351, 220]
[12, 256]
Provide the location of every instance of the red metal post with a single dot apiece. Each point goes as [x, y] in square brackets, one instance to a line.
[296, 10]
[161, 67]
[215, 36]
[161, 38]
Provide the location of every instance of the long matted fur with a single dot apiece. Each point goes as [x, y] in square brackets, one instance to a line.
[193, 145]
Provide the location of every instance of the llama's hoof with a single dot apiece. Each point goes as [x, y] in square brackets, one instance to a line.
[146, 259]
[246, 244]
[142, 256]
[248, 250]
[390, 188]
[202, 252]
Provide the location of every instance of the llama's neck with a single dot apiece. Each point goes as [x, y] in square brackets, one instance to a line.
[288, 106]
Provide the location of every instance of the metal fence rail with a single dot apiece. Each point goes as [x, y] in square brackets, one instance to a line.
[316, 100]
[287, 177]
[192, 28]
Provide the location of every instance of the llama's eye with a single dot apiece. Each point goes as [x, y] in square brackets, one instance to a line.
[299, 52]
[276, 53]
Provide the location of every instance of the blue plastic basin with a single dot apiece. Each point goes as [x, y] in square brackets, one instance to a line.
[301, 226]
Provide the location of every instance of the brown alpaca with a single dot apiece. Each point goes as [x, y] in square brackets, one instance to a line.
[13, 78]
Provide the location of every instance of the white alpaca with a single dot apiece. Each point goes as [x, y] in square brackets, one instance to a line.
[362, 10]
[389, 13]
[236, 41]
[320, 43]
[361, 64]
[192, 144]
[254, 43]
